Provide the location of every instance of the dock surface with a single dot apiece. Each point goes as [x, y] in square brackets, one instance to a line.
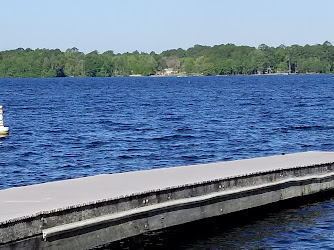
[30, 200]
[162, 186]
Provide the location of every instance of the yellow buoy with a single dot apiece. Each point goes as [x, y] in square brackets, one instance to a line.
[3, 130]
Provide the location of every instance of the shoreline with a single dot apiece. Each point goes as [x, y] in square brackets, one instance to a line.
[176, 76]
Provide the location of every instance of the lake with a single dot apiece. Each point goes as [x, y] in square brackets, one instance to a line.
[64, 128]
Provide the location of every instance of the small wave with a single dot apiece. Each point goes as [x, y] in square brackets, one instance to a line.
[125, 157]
[85, 166]
[27, 107]
[144, 129]
[307, 98]
[300, 105]
[110, 123]
[55, 131]
[70, 155]
[30, 153]
[316, 127]
[172, 118]
[173, 137]
[304, 127]
[67, 166]
[190, 157]
[96, 144]
[184, 129]
[9, 147]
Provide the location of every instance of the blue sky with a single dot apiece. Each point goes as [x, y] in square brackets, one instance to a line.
[154, 25]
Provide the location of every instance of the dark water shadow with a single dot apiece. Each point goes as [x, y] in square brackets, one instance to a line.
[232, 231]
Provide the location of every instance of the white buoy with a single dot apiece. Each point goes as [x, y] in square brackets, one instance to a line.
[3, 130]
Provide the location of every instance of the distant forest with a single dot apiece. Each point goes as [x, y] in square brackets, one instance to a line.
[223, 59]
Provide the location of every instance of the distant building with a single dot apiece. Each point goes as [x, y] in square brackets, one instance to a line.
[168, 71]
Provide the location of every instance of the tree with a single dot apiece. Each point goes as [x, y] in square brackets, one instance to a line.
[219, 59]
[188, 65]
[73, 50]
[209, 69]
[93, 64]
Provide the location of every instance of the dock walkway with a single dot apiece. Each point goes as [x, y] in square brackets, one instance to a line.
[92, 211]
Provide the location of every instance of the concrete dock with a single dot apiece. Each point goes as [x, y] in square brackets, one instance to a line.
[88, 212]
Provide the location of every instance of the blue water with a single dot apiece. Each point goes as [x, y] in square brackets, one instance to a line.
[73, 127]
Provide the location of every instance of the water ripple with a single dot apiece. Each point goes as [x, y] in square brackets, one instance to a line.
[68, 128]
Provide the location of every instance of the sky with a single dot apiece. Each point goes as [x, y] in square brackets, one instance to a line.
[158, 25]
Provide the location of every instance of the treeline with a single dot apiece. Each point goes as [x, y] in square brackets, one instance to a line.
[226, 59]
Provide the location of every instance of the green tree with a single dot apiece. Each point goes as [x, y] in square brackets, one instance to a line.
[209, 69]
[188, 65]
[219, 59]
